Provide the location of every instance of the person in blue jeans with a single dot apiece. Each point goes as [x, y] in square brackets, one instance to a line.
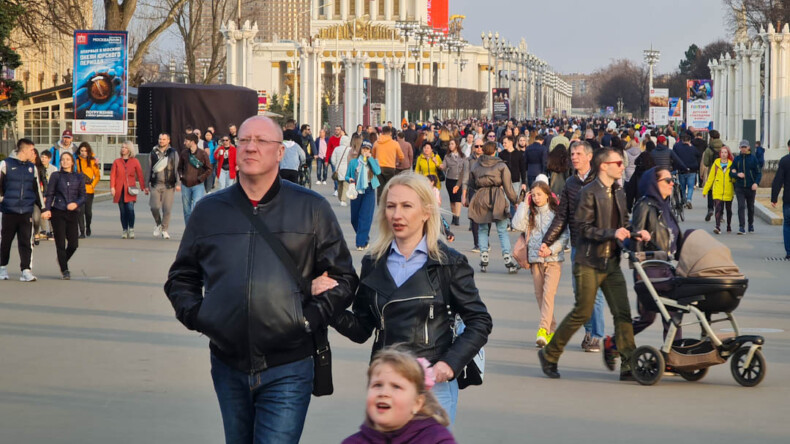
[363, 172]
[193, 168]
[782, 180]
[261, 331]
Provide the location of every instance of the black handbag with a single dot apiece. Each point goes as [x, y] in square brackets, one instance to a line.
[474, 370]
[322, 354]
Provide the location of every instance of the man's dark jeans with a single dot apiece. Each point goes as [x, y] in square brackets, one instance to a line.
[786, 227]
[588, 280]
[745, 198]
[266, 407]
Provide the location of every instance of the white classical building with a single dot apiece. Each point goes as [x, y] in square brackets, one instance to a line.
[387, 40]
[741, 92]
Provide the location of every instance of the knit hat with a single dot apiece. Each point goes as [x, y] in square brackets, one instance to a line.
[662, 140]
[542, 178]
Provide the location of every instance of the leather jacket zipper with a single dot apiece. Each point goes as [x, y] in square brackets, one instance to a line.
[249, 294]
[381, 313]
[430, 316]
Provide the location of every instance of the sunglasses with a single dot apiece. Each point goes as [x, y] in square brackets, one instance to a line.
[668, 180]
[619, 163]
[478, 146]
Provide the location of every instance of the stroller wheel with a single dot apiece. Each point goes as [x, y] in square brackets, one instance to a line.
[694, 375]
[751, 375]
[648, 365]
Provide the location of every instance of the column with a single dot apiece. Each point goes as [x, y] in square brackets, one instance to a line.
[766, 133]
[730, 63]
[359, 8]
[344, 9]
[315, 6]
[401, 9]
[784, 88]
[714, 72]
[774, 99]
[757, 55]
[722, 126]
[329, 10]
[737, 128]
[374, 9]
[388, 10]
[230, 41]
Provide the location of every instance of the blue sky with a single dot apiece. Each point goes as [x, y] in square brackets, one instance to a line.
[583, 35]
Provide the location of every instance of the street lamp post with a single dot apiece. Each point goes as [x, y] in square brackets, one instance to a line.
[651, 58]
[620, 106]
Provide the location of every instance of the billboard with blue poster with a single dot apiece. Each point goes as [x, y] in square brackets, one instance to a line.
[100, 82]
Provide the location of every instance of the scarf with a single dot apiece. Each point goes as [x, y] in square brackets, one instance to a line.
[362, 176]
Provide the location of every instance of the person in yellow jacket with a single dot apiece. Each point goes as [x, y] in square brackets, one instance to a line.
[721, 187]
[429, 163]
[89, 167]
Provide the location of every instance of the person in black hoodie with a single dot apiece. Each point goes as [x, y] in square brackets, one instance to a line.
[65, 195]
[653, 214]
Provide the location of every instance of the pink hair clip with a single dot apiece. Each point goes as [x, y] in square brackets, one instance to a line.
[430, 378]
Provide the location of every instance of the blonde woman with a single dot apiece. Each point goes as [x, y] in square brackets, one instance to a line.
[407, 259]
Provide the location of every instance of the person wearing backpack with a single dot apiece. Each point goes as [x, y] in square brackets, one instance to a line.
[710, 156]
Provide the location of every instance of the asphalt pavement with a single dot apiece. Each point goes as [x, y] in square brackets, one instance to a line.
[102, 359]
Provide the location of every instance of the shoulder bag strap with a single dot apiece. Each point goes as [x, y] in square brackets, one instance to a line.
[320, 336]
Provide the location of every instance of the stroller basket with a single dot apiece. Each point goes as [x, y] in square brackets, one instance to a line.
[712, 294]
[694, 356]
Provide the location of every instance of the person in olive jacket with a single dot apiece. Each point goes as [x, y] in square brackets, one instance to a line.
[228, 283]
[65, 195]
[412, 286]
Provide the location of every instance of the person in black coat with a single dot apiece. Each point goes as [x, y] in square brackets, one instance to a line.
[65, 194]
[412, 286]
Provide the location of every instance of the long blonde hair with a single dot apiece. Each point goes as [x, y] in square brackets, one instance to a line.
[405, 364]
[432, 229]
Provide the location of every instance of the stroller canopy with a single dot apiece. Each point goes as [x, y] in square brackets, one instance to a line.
[704, 256]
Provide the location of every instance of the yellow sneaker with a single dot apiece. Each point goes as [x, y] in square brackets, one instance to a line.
[551, 335]
[541, 339]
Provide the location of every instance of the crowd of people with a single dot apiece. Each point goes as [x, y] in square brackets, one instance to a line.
[573, 190]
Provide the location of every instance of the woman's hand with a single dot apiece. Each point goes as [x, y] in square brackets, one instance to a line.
[455, 189]
[72, 206]
[442, 372]
[323, 283]
[112, 191]
[46, 215]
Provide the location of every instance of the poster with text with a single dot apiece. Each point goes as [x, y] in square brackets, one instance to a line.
[659, 106]
[100, 82]
[675, 109]
[699, 105]
[501, 101]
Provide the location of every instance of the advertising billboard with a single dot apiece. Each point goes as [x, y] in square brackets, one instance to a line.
[659, 106]
[100, 82]
[438, 14]
[501, 100]
[675, 109]
[699, 105]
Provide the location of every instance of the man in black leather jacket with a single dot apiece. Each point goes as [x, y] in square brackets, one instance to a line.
[602, 220]
[229, 284]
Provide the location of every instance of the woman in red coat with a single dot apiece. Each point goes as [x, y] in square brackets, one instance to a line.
[226, 163]
[126, 172]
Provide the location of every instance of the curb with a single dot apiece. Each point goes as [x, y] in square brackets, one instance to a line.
[766, 214]
[103, 197]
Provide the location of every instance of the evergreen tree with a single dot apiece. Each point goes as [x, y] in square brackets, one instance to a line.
[11, 91]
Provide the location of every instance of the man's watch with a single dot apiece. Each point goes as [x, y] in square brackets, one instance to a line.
[307, 326]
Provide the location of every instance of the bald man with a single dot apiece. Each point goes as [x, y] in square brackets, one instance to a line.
[263, 324]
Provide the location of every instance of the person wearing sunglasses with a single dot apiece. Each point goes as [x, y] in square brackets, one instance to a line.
[652, 213]
[466, 192]
[225, 155]
[602, 220]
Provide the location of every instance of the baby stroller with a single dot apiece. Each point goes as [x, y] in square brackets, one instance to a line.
[706, 283]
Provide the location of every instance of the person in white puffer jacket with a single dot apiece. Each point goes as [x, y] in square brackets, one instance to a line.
[534, 220]
[340, 159]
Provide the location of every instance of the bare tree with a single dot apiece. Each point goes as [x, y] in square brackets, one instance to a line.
[621, 79]
[198, 23]
[757, 14]
[118, 15]
[42, 17]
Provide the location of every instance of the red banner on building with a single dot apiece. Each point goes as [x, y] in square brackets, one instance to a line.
[438, 14]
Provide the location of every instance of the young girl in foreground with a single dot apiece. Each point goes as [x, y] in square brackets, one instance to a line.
[400, 407]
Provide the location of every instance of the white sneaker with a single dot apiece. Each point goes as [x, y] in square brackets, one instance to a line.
[335, 193]
[158, 231]
[324, 182]
[165, 235]
[3, 273]
[131, 233]
[27, 276]
[343, 204]
[125, 234]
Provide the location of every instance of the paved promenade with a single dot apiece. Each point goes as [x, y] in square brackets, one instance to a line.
[102, 359]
